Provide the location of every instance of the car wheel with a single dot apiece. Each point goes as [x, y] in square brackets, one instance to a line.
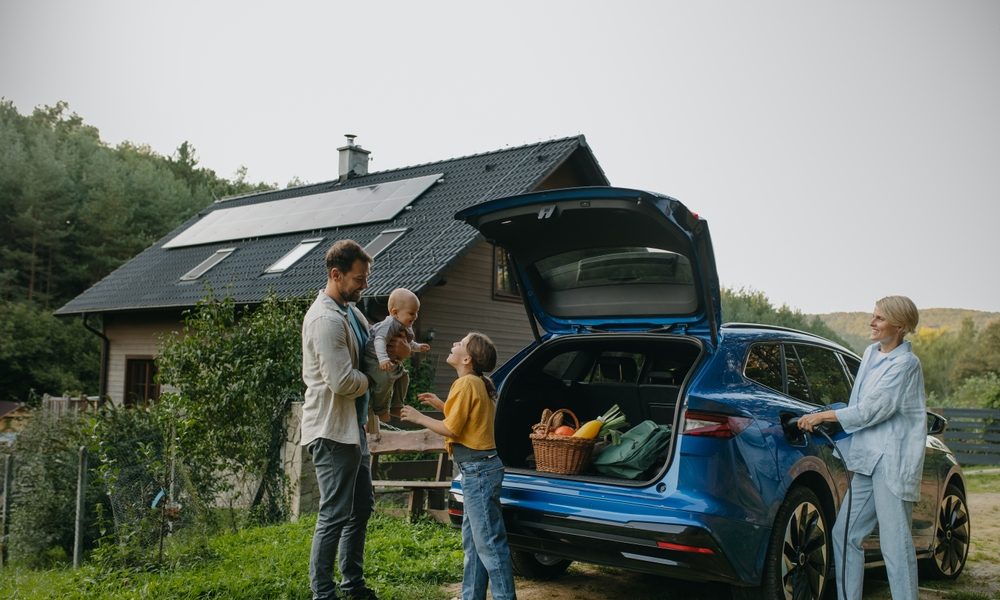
[951, 537]
[799, 554]
[538, 566]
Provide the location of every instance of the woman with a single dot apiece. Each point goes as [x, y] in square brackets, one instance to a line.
[468, 432]
[887, 420]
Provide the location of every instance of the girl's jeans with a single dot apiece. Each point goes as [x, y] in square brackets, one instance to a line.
[484, 538]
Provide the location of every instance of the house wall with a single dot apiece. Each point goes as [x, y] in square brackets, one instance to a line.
[465, 303]
[133, 336]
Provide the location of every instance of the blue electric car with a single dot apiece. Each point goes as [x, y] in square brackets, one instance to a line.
[623, 296]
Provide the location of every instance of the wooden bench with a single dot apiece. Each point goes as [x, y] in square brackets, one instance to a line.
[418, 495]
[422, 440]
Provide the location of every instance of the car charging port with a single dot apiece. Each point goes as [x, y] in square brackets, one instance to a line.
[790, 425]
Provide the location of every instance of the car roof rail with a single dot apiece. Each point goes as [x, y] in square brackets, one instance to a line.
[773, 327]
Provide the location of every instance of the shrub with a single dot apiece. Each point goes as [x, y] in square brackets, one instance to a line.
[236, 371]
[43, 500]
[977, 391]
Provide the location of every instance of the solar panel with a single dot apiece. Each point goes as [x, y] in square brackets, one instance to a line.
[353, 206]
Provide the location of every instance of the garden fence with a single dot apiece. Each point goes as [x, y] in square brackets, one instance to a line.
[973, 434]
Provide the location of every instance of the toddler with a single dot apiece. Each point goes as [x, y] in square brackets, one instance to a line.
[389, 379]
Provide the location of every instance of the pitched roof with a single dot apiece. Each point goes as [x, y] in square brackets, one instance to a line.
[7, 407]
[433, 241]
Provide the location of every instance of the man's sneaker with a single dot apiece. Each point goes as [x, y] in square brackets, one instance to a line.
[362, 594]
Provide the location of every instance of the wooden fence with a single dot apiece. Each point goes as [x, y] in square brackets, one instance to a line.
[973, 434]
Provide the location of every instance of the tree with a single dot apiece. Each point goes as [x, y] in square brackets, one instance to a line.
[937, 350]
[981, 356]
[751, 306]
[236, 371]
[73, 209]
[40, 353]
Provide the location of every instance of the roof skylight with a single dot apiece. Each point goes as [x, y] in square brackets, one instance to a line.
[204, 266]
[294, 256]
[383, 241]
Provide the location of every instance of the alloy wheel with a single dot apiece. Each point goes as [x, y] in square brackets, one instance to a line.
[805, 555]
[951, 537]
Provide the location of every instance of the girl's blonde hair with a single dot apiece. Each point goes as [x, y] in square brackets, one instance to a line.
[900, 311]
[483, 354]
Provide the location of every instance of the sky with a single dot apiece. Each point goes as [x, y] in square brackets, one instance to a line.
[840, 151]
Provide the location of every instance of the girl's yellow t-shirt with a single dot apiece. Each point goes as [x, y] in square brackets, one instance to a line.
[468, 414]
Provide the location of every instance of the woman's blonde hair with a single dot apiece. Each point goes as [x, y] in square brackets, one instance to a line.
[900, 311]
[483, 354]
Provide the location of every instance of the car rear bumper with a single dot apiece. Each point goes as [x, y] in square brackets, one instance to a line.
[679, 551]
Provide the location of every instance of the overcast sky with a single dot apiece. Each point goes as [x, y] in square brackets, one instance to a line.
[841, 151]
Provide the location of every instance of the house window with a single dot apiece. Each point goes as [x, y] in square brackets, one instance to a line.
[207, 264]
[504, 283]
[383, 241]
[285, 262]
[140, 381]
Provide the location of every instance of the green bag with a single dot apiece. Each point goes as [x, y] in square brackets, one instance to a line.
[637, 452]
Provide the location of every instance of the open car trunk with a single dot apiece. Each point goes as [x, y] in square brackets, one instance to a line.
[644, 374]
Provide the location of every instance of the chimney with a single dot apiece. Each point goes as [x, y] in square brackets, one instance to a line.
[353, 159]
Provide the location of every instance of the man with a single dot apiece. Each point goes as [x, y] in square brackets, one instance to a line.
[334, 414]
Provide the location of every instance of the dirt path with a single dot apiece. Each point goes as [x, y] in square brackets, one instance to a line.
[586, 582]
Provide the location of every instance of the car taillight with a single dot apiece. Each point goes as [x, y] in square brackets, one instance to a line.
[684, 548]
[714, 425]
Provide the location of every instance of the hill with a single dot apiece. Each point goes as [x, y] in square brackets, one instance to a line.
[853, 326]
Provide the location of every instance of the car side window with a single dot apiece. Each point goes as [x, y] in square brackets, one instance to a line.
[853, 365]
[616, 367]
[764, 366]
[798, 385]
[558, 366]
[827, 381]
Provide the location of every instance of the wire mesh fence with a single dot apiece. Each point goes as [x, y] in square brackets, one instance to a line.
[70, 485]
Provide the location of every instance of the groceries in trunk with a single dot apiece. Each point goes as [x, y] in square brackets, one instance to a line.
[602, 446]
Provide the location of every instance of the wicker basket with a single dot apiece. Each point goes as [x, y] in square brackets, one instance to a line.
[563, 454]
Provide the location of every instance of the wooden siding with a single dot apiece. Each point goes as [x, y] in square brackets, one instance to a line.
[133, 336]
[465, 303]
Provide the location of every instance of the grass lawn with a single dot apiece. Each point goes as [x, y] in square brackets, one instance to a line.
[402, 562]
[979, 480]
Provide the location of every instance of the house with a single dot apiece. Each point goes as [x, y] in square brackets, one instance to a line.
[13, 418]
[246, 246]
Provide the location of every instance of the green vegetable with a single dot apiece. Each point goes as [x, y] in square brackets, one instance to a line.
[612, 422]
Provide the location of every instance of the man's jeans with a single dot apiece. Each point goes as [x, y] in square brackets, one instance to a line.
[484, 538]
[872, 503]
[346, 500]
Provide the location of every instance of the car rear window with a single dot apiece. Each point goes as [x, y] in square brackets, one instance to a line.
[593, 267]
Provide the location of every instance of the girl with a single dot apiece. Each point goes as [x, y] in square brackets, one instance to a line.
[468, 431]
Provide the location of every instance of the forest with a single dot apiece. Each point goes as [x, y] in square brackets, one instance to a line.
[73, 209]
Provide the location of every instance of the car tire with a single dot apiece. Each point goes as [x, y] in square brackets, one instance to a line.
[952, 531]
[799, 557]
[538, 566]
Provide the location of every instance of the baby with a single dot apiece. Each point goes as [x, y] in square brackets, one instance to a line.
[389, 379]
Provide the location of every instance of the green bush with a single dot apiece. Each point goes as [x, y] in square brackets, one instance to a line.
[43, 500]
[236, 371]
[977, 391]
